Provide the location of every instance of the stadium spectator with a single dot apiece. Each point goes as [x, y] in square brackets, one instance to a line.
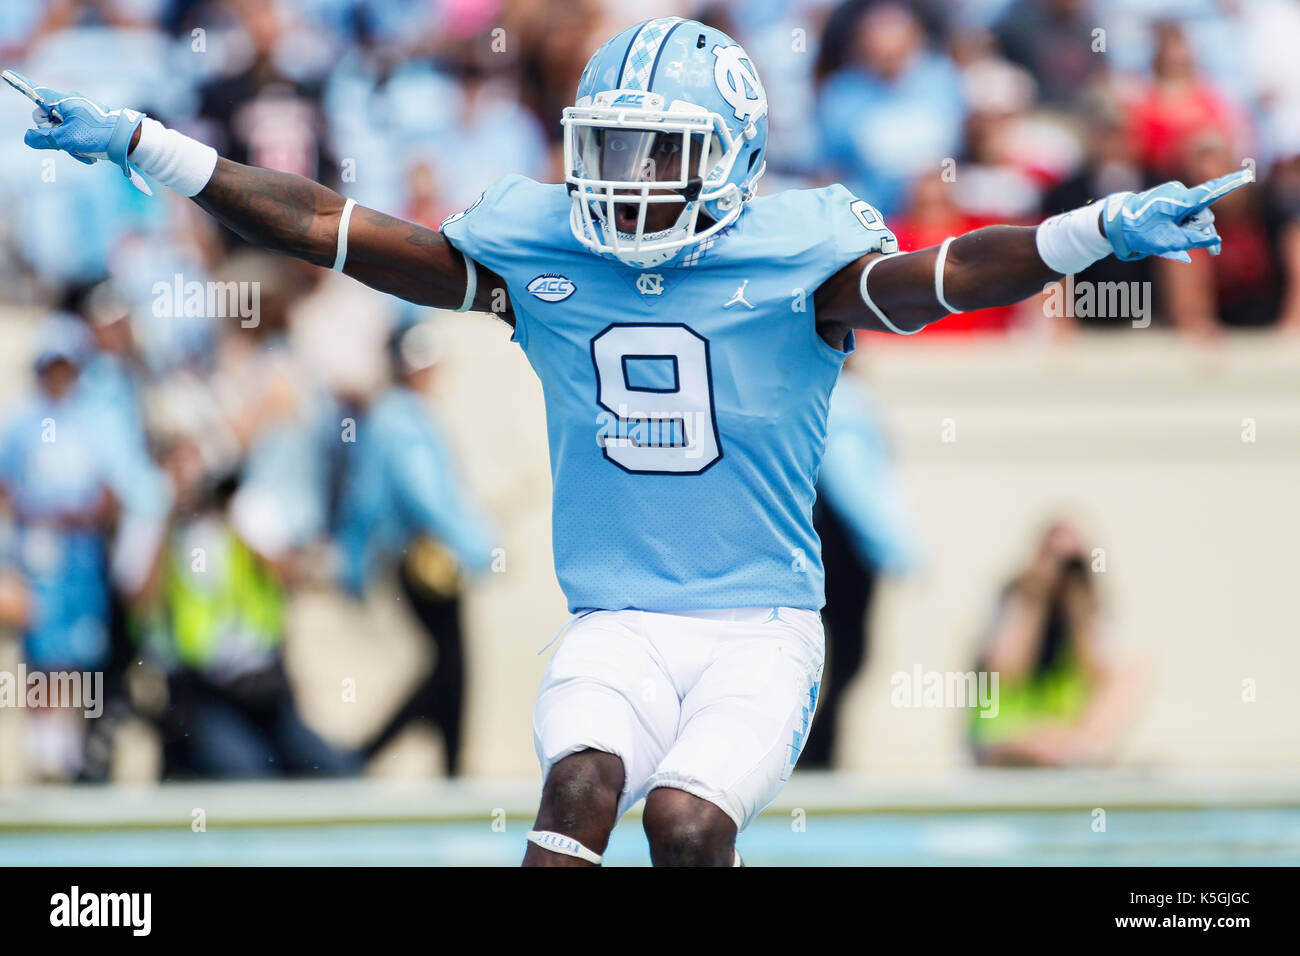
[1284, 222]
[408, 526]
[211, 618]
[62, 485]
[1063, 698]
[264, 109]
[894, 108]
[1176, 106]
[1054, 40]
[1111, 165]
[1242, 286]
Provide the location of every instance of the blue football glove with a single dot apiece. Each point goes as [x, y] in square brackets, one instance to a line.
[1168, 220]
[80, 127]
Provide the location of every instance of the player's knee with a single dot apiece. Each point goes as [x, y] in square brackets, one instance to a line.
[685, 830]
[581, 789]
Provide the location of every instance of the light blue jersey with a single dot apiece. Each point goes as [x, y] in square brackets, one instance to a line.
[686, 404]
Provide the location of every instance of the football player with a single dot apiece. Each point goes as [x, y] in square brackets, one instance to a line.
[687, 333]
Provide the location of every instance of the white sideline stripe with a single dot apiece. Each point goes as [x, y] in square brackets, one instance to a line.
[330, 801]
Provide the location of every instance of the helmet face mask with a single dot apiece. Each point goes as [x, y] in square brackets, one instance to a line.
[623, 166]
[629, 160]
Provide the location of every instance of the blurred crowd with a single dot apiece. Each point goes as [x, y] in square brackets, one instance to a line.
[204, 464]
[946, 116]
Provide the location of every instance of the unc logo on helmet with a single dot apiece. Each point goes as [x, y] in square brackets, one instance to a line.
[664, 144]
[735, 76]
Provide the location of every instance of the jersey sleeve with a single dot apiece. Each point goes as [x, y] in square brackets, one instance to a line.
[857, 228]
[479, 232]
[502, 232]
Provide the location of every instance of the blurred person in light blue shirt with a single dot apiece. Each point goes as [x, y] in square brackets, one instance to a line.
[402, 479]
[862, 520]
[66, 484]
[892, 109]
[404, 508]
[58, 476]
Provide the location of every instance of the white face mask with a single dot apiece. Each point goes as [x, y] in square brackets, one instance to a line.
[622, 163]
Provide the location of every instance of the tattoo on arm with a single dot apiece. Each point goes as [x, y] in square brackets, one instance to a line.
[294, 216]
[279, 211]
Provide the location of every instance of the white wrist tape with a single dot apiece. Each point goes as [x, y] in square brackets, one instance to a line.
[866, 296]
[559, 843]
[341, 249]
[173, 159]
[1072, 241]
[939, 263]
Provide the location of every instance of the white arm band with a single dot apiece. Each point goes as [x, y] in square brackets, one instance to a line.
[341, 255]
[471, 283]
[173, 158]
[866, 297]
[939, 264]
[1072, 241]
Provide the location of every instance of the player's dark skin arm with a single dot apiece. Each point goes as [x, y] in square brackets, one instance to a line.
[990, 267]
[294, 216]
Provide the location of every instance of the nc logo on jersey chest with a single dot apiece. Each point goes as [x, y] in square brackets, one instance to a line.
[552, 287]
[650, 283]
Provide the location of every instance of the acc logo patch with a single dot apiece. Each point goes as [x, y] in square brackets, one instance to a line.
[552, 287]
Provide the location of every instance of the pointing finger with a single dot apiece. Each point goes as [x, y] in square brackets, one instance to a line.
[1216, 189]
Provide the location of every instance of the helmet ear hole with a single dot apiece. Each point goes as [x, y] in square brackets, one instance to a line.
[753, 161]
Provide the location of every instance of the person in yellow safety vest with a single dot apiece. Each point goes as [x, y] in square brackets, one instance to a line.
[215, 624]
[1062, 697]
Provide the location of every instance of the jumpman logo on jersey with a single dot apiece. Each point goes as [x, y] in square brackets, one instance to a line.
[739, 297]
[774, 616]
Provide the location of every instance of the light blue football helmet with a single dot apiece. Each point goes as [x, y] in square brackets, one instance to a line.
[668, 111]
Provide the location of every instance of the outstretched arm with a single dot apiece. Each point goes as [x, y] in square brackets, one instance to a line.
[999, 265]
[281, 212]
[297, 217]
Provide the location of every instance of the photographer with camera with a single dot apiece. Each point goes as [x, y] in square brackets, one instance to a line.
[1063, 698]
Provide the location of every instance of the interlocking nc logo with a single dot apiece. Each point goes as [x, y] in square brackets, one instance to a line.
[734, 74]
[650, 283]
